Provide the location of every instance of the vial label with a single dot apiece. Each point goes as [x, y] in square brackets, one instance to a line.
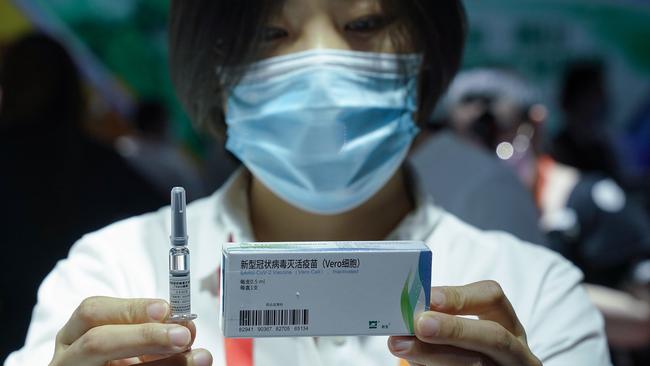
[179, 294]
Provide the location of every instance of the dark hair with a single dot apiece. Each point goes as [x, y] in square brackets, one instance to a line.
[581, 77]
[210, 35]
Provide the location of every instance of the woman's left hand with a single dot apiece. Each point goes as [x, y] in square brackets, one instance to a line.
[442, 338]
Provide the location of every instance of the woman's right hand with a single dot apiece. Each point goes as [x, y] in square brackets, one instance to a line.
[108, 331]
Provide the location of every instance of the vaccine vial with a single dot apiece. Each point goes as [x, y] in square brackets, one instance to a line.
[179, 284]
[179, 261]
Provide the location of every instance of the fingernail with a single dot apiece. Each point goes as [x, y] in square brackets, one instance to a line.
[202, 358]
[437, 298]
[401, 345]
[428, 326]
[157, 310]
[179, 336]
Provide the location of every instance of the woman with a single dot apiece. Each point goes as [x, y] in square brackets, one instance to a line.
[322, 124]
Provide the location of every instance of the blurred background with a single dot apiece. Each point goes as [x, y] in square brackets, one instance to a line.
[91, 132]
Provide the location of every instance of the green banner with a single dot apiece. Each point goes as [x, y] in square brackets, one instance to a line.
[538, 38]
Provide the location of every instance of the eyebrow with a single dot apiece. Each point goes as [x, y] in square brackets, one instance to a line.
[366, 3]
[356, 1]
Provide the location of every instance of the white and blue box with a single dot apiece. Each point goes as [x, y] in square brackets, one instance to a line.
[323, 288]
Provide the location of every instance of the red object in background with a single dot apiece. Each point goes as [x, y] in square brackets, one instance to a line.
[239, 352]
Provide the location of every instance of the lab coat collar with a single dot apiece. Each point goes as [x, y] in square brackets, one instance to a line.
[232, 208]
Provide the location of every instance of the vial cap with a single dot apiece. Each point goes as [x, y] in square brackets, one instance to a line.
[178, 235]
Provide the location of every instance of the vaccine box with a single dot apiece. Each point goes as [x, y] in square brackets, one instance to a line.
[323, 288]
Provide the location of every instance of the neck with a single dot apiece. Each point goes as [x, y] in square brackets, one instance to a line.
[275, 220]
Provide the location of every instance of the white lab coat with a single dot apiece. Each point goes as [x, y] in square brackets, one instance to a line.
[129, 259]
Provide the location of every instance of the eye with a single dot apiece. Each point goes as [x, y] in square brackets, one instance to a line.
[271, 33]
[368, 24]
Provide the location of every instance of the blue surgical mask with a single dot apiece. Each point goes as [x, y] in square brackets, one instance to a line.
[324, 129]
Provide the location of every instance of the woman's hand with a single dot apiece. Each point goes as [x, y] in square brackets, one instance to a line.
[108, 331]
[496, 338]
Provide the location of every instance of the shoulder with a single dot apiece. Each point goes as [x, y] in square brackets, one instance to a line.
[132, 236]
[459, 240]
[523, 269]
[150, 230]
[464, 254]
[136, 249]
[540, 284]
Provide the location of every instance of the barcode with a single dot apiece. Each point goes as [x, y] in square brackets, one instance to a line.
[273, 317]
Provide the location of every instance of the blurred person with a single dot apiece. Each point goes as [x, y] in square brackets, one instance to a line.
[472, 184]
[583, 142]
[57, 184]
[320, 100]
[635, 144]
[587, 217]
[152, 153]
[637, 140]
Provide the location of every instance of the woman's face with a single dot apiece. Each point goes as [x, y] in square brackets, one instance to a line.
[358, 25]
